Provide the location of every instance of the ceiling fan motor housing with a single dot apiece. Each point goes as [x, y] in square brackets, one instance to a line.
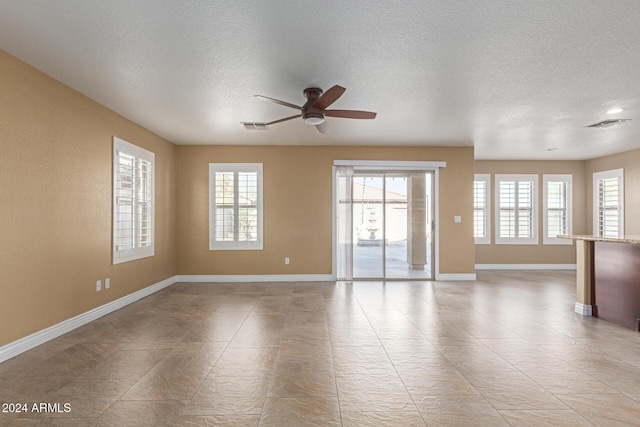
[312, 93]
[312, 116]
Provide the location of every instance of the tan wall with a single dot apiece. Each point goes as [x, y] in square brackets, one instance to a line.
[630, 162]
[55, 203]
[297, 206]
[534, 254]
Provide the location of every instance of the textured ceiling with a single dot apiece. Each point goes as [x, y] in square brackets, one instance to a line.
[513, 78]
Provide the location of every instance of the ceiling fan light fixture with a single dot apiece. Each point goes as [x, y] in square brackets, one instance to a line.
[314, 120]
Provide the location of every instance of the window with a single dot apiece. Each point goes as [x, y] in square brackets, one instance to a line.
[235, 215]
[133, 202]
[481, 211]
[557, 219]
[516, 209]
[608, 203]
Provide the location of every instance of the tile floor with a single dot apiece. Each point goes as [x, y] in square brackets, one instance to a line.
[505, 350]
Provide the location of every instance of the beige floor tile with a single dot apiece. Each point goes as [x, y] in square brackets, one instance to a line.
[218, 421]
[297, 377]
[306, 332]
[74, 360]
[558, 418]
[373, 392]
[179, 374]
[307, 302]
[219, 326]
[235, 394]
[313, 349]
[421, 382]
[89, 397]
[565, 380]
[239, 303]
[9, 418]
[382, 419]
[252, 359]
[353, 336]
[144, 413]
[126, 364]
[361, 359]
[272, 305]
[619, 375]
[457, 411]
[259, 331]
[52, 422]
[278, 289]
[279, 412]
[605, 409]
[30, 389]
[519, 395]
[507, 347]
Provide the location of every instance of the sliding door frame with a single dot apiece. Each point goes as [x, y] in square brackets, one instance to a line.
[391, 166]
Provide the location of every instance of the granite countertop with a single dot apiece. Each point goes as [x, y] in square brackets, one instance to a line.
[623, 239]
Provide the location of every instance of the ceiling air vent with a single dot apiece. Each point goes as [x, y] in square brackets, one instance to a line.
[608, 123]
[255, 126]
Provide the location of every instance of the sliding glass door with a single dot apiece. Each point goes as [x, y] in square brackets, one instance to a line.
[368, 222]
[391, 224]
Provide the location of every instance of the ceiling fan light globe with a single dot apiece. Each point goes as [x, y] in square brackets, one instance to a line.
[313, 120]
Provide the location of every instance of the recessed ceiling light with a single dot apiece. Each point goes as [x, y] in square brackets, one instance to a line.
[615, 110]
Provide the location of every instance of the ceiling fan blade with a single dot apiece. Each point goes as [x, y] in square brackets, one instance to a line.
[284, 120]
[329, 97]
[350, 114]
[277, 101]
[323, 127]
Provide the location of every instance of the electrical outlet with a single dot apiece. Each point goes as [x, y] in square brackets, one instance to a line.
[286, 260]
[107, 283]
[98, 285]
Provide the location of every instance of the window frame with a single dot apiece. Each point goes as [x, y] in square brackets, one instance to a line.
[486, 178]
[546, 179]
[138, 251]
[533, 240]
[597, 176]
[235, 168]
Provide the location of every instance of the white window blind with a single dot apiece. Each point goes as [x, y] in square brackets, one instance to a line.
[235, 216]
[557, 212]
[608, 201]
[481, 211]
[133, 202]
[516, 209]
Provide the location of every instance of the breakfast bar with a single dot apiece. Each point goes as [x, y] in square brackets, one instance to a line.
[608, 278]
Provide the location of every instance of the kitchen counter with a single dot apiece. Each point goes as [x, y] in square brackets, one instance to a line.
[608, 278]
[624, 239]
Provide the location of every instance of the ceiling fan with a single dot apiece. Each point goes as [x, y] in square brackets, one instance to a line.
[313, 112]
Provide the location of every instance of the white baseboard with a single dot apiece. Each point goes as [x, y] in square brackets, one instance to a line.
[525, 266]
[256, 278]
[27, 343]
[585, 310]
[471, 277]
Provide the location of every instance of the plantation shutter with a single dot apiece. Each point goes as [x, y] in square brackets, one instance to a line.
[609, 207]
[516, 209]
[481, 213]
[235, 215]
[133, 202]
[557, 196]
[479, 206]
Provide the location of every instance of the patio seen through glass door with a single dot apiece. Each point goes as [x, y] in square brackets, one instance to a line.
[392, 225]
